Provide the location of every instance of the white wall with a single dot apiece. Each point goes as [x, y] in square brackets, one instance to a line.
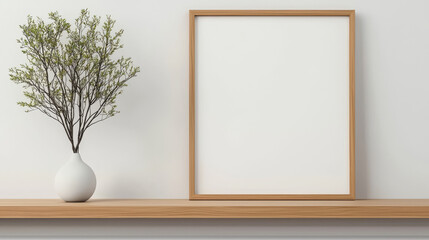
[143, 152]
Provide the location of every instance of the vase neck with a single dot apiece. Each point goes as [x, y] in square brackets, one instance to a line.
[76, 157]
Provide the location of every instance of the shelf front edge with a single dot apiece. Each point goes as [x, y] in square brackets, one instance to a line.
[211, 209]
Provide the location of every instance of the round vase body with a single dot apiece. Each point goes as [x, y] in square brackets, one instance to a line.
[75, 181]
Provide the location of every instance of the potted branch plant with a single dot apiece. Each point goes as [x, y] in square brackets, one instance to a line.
[72, 77]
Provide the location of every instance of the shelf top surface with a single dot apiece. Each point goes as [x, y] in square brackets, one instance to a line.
[220, 203]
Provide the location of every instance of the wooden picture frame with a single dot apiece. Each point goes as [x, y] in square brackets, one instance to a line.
[194, 193]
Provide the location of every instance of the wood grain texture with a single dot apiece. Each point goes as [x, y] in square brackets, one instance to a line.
[191, 105]
[352, 101]
[272, 197]
[271, 12]
[181, 208]
[193, 195]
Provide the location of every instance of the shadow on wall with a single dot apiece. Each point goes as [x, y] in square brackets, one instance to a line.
[361, 158]
[214, 229]
[120, 186]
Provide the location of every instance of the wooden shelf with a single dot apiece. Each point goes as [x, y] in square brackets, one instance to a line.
[181, 208]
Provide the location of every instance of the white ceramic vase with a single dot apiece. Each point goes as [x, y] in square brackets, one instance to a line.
[75, 181]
